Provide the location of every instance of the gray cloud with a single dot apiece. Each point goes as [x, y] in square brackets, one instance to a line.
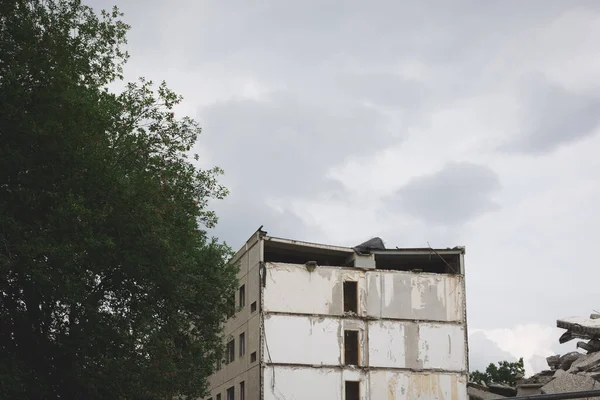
[284, 144]
[240, 216]
[554, 116]
[483, 351]
[453, 195]
[280, 147]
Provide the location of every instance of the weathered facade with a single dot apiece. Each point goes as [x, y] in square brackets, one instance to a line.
[328, 322]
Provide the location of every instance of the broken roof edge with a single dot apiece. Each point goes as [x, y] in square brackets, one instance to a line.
[261, 234]
[252, 240]
[397, 250]
[312, 245]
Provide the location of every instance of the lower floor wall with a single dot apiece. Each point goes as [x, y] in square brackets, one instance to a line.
[248, 381]
[305, 383]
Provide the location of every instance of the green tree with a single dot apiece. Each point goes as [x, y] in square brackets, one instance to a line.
[505, 373]
[110, 287]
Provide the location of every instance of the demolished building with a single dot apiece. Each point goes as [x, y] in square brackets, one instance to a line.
[571, 372]
[328, 322]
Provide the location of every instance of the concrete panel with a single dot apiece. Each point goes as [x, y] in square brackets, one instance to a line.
[325, 383]
[382, 294]
[302, 340]
[442, 346]
[302, 383]
[292, 288]
[387, 344]
[406, 295]
[416, 386]
[254, 256]
[243, 264]
[252, 383]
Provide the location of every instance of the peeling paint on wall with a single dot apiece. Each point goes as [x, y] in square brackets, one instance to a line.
[411, 334]
[382, 294]
[327, 384]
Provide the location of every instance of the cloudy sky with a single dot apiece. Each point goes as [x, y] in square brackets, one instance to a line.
[455, 123]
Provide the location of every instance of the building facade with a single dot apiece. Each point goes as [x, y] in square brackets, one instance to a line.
[338, 323]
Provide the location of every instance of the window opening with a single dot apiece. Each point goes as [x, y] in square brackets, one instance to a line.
[351, 347]
[242, 344]
[242, 299]
[253, 357]
[231, 306]
[242, 391]
[352, 390]
[253, 307]
[231, 393]
[351, 297]
[230, 351]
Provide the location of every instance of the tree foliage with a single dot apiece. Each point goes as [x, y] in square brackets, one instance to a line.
[505, 373]
[110, 287]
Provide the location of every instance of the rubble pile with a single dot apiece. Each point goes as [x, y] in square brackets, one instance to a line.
[571, 372]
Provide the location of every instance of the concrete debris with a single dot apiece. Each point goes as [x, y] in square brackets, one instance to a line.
[528, 389]
[580, 325]
[571, 372]
[591, 347]
[585, 363]
[553, 361]
[567, 359]
[504, 390]
[478, 392]
[570, 383]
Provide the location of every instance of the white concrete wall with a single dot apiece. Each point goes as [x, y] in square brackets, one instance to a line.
[304, 324]
[406, 295]
[382, 294]
[309, 340]
[442, 346]
[417, 386]
[302, 340]
[294, 383]
[387, 347]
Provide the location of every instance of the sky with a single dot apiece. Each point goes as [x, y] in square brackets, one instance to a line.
[451, 123]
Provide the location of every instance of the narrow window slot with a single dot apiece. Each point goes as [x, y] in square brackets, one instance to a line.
[351, 346]
[351, 297]
[230, 351]
[352, 390]
[242, 344]
[231, 393]
[242, 299]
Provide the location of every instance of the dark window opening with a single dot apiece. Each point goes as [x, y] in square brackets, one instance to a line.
[242, 300]
[219, 396]
[425, 262]
[231, 393]
[351, 296]
[253, 307]
[253, 357]
[242, 391]
[351, 346]
[352, 390]
[230, 351]
[301, 254]
[231, 306]
[242, 344]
